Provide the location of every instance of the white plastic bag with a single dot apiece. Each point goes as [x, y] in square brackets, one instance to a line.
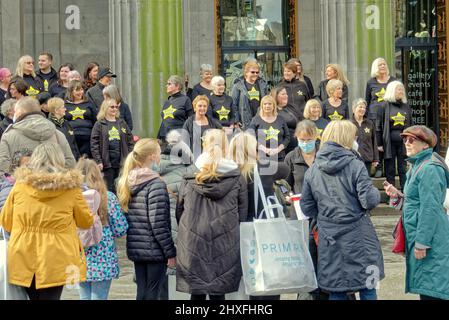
[8, 291]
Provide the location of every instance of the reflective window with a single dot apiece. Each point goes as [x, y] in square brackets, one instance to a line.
[421, 19]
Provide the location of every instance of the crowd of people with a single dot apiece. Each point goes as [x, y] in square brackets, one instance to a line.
[180, 198]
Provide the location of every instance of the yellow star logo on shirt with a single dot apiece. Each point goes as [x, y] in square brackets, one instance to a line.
[367, 131]
[124, 130]
[300, 93]
[320, 131]
[168, 113]
[380, 95]
[46, 85]
[253, 94]
[223, 113]
[398, 119]
[70, 132]
[271, 133]
[335, 116]
[78, 113]
[114, 134]
[32, 92]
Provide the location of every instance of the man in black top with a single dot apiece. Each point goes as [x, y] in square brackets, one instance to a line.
[46, 73]
[95, 94]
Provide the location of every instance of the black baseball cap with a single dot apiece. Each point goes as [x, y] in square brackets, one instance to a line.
[103, 72]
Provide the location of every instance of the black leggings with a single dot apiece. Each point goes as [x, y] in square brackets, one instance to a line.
[397, 152]
[203, 297]
[149, 277]
[83, 143]
[110, 174]
[53, 293]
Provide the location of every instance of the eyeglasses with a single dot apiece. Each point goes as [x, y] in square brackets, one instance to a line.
[29, 62]
[114, 107]
[169, 83]
[255, 72]
[410, 139]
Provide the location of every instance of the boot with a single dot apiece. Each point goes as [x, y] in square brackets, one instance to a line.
[379, 170]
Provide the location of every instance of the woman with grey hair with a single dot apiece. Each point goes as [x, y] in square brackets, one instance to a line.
[222, 106]
[204, 87]
[8, 114]
[366, 136]
[176, 110]
[112, 92]
[393, 117]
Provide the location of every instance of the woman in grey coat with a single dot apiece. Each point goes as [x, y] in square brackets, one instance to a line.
[338, 192]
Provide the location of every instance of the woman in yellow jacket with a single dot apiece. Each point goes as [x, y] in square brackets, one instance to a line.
[42, 213]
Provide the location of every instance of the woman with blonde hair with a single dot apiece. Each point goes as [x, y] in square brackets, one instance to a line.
[285, 111]
[25, 70]
[111, 141]
[333, 71]
[112, 92]
[335, 108]
[270, 129]
[314, 112]
[211, 204]
[102, 258]
[339, 194]
[144, 198]
[198, 123]
[247, 93]
[42, 214]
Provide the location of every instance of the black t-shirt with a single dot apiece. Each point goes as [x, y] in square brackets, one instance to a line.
[254, 96]
[2, 95]
[222, 109]
[114, 143]
[199, 90]
[399, 118]
[176, 110]
[339, 113]
[321, 124]
[374, 95]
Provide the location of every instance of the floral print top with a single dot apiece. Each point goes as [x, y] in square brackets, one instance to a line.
[102, 259]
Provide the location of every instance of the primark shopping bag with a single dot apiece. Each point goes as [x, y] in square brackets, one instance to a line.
[7, 290]
[274, 253]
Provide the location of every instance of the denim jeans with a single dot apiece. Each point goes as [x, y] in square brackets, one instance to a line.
[95, 290]
[365, 294]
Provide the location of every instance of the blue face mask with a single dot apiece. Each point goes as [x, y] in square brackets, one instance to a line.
[308, 146]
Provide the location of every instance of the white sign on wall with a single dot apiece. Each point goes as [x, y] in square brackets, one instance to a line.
[73, 21]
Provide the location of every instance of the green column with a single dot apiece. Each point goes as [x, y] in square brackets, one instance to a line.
[376, 42]
[160, 46]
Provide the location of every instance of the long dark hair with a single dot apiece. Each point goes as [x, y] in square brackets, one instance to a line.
[88, 82]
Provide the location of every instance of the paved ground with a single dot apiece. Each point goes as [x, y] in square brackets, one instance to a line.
[391, 288]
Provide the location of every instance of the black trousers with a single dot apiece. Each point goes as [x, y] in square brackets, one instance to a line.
[149, 279]
[109, 175]
[397, 153]
[83, 143]
[53, 293]
[197, 297]
[423, 297]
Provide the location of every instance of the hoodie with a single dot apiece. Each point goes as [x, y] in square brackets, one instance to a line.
[48, 79]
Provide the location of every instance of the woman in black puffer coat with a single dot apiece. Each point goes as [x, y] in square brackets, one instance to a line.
[211, 205]
[144, 197]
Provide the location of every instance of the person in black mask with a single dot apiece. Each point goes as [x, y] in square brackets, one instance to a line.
[393, 118]
[176, 110]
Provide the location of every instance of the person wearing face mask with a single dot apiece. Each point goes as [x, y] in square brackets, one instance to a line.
[205, 87]
[339, 194]
[221, 106]
[426, 226]
[247, 93]
[144, 198]
[393, 117]
[197, 124]
[111, 142]
[366, 143]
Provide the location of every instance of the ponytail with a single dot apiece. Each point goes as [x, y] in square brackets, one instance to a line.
[215, 145]
[135, 159]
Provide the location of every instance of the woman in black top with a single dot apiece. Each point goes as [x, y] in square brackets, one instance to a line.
[17, 88]
[314, 113]
[204, 87]
[366, 136]
[59, 88]
[197, 124]
[221, 106]
[112, 92]
[333, 71]
[374, 95]
[81, 114]
[56, 109]
[111, 142]
[284, 111]
[297, 90]
[271, 130]
[176, 110]
[393, 118]
[301, 77]
[90, 75]
[335, 108]
[25, 70]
